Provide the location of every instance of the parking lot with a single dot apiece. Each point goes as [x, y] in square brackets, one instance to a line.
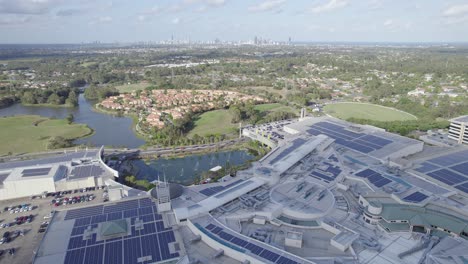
[26, 220]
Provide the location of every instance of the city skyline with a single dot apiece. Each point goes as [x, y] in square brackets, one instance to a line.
[78, 21]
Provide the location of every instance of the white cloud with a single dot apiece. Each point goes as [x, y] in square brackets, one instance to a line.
[141, 18]
[388, 23]
[152, 11]
[13, 20]
[27, 6]
[376, 4]
[175, 21]
[105, 19]
[456, 10]
[101, 20]
[330, 5]
[267, 5]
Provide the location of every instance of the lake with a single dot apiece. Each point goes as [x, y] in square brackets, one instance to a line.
[109, 130]
[185, 170]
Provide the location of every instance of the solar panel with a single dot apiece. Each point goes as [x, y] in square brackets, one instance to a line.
[153, 240]
[463, 187]
[75, 256]
[88, 211]
[450, 159]
[35, 172]
[447, 177]
[319, 175]
[415, 197]
[426, 167]
[150, 247]
[295, 144]
[365, 173]
[461, 168]
[132, 250]
[114, 252]
[94, 254]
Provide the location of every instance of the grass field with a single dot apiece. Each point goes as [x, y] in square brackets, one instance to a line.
[18, 134]
[128, 88]
[366, 111]
[274, 107]
[213, 122]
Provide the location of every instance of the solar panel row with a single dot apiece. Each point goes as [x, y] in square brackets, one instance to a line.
[463, 187]
[357, 141]
[373, 177]
[150, 244]
[86, 171]
[35, 172]
[253, 248]
[447, 177]
[450, 159]
[295, 144]
[426, 167]
[415, 197]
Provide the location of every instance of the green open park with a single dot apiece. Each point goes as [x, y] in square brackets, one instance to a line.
[31, 133]
[213, 122]
[366, 111]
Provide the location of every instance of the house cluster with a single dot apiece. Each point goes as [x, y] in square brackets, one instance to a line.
[156, 106]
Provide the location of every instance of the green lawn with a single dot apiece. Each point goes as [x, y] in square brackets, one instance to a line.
[366, 111]
[213, 122]
[274, 107]
[18, 134]
[128, 88]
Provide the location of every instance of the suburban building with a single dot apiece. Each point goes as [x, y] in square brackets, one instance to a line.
[459, 129]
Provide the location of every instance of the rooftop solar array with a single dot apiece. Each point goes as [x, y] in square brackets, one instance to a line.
[45, 161]
[327, 175]
[361, 142]
[373, 177]
[36, 172]
[451, 169]
[415, 197]
[216, 189]
[295, 144]
[238, 243]
[147, 245]
[86, 171]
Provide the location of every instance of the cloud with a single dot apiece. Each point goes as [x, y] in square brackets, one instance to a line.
[375, 4]
[456, 10]
[175, 21]
[152, 11]
[71, 12]
[14, 20]
[214, 3]
[267, 5]
[27, 6]
[101, 20]
[330, 5]
[388, 23]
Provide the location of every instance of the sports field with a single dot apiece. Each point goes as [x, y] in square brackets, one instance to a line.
[20, 134]
[213, 122]
[366, 111]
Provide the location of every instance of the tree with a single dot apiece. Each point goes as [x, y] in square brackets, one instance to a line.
[70, 118]
[28, 98]
[72, 99]
[54, 99]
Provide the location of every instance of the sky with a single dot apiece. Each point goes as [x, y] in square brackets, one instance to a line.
[78, 21]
